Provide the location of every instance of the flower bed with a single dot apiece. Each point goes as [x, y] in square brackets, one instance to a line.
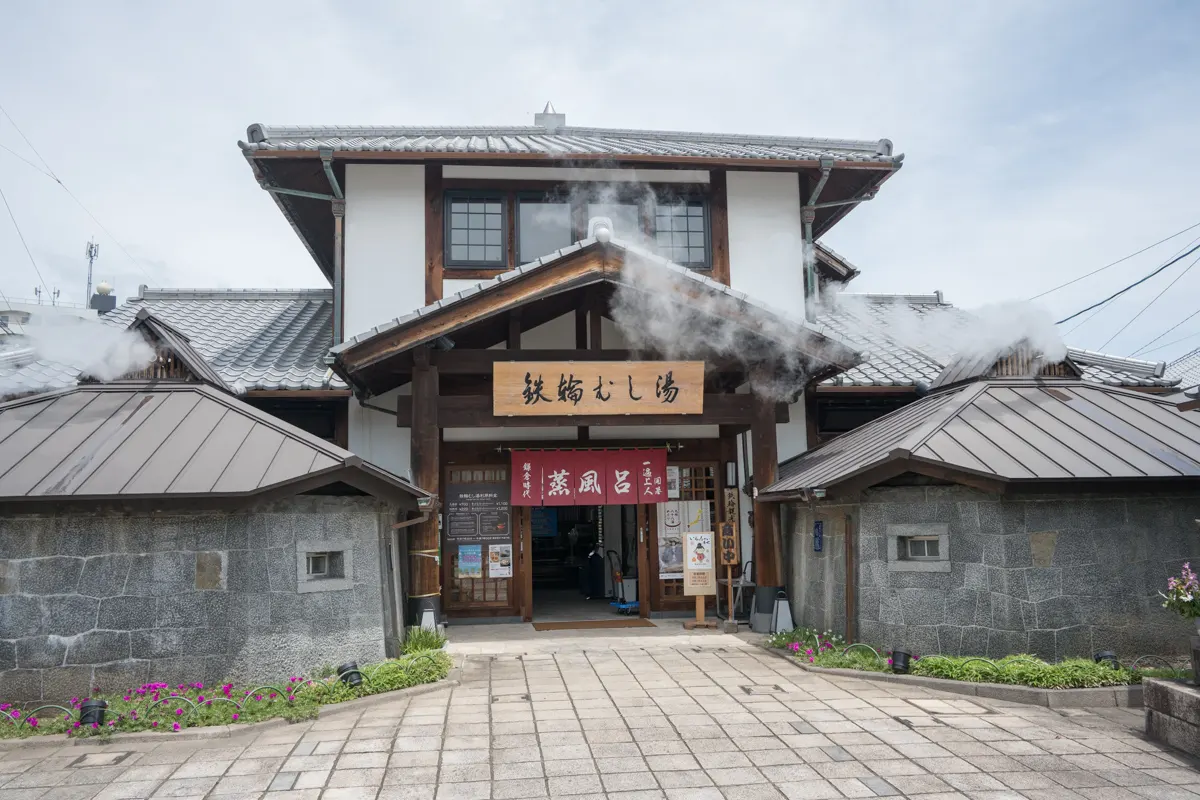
[157, 706]
[826, 650]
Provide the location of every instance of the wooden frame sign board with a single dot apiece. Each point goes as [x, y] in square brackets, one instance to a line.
[565, 388]
[699, 564]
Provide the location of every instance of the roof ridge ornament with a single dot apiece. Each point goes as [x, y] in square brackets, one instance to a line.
[550, 119]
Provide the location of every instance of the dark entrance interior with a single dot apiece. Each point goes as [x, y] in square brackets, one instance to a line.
[576, 549]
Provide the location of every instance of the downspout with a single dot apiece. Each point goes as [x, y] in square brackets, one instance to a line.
[339, 216]
[808, 215]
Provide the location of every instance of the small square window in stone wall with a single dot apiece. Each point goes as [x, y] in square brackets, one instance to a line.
[918, 548]
[210, 570]
[324, 566]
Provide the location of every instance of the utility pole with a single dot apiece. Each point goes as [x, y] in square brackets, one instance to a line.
[92, 251]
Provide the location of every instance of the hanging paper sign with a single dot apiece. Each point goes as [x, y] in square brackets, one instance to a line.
[699, 576]
[500, 561]
[470, 561]
[672, 483]
[670, 541]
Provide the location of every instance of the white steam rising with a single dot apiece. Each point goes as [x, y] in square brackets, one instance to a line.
[94, 349]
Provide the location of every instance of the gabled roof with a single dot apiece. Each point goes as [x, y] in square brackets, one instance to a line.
[179, 344]
[160, 442]
[586, 263]
[1007, 432]
[908, 354]
[1187, 369]
[566, 142]
[1015, 362]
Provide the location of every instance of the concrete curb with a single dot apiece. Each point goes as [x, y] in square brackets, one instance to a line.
[228, 731]
[1103, 697]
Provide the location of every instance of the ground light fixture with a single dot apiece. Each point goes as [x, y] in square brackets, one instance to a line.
[350, 674]
[91, 712]
[900, 660]
[1109, 656]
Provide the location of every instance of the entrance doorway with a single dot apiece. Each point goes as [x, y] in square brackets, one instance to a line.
[583, 558]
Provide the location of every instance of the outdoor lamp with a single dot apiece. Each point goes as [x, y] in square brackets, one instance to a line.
[350, 674]
[731, 474]
[900, 659]
[1109, 656]
[91, 712]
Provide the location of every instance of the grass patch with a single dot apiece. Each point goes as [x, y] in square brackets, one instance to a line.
[157, 706]
[418, 639]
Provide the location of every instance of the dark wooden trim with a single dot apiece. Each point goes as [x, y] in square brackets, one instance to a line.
[571, 188]
[514, 329]
[471, 273]
[595, 326]
[341, 425]
[813, 436]
[581, 327]
[475, 411]
[426, 471]
[643, 558]
[1189, 405]
[718, 221]
[768, 545]
[480, 362]
[298, 394]
[485, 452]
[434, 232]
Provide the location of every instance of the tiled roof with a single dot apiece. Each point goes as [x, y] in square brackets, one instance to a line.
[901, 351]
[564, 142]
[252, 338]
[1186, 368]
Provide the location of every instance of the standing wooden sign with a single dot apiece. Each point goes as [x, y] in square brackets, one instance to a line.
[699, 564]
[729, 544]
[568, 388]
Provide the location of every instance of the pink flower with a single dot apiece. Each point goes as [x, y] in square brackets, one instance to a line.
[235, 716]
[200, 699]
[111, 723]
[95, 726]
[175, 726]
[258, 697]
[199, 685]
[291, 697]
[154, 724]
[32, 722]
[178, 712]
[126, 698]
[16, 715]
[273, 695]
[76, 725]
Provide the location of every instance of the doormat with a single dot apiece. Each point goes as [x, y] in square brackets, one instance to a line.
[635, 622]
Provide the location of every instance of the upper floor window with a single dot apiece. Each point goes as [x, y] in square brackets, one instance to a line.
[681, 231]
[543, 226]
[475, 230]
[626, 219]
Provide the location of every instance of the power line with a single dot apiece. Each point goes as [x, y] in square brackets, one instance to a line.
[20, 157]
[21, 236]
[49, 173]
[1130, 286]
[1173, 341]
[1164, 333]
[1152, 302]
[1118, 261]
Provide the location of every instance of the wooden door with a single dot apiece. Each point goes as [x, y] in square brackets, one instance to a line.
[643, 559]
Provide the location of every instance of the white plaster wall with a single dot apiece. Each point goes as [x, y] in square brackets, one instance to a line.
[792, 436]
[665, 433]
[557, 334]
[766, 238]
[451, 286]
[373, 435]
[385, 243]
[513, 434]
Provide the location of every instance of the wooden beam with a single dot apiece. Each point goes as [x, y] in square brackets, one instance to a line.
[514, 329]
[581, 330]
[768, 546]
[423, 544]
[434, 233]
[718, 221]
[298, 394]
[475, 411]
[595, 324]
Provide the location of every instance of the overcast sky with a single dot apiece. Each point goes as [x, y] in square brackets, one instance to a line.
[1042, 140]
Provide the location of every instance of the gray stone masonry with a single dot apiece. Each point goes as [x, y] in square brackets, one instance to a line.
[1055, 575]
[1173, 714]
[117, 600]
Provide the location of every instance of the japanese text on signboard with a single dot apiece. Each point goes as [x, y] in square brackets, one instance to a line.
[597, 387]
[588, 477]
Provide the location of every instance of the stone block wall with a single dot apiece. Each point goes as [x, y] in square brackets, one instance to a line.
[817, 579]
[116, 600]
[1055, 575]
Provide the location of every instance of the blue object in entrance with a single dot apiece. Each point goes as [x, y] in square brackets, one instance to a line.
[543, 522]
[818, 536]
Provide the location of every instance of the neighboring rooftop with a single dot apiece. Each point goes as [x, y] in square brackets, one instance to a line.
[163, 442]
[907, 342]
[998, 432]
[1187, 369]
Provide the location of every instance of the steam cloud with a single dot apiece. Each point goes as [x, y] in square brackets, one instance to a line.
[96, 350]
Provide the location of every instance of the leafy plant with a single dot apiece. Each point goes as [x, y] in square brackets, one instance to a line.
[808, 637]
[422, 639]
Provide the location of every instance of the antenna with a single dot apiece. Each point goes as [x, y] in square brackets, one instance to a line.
[37, 292]
[92, 252]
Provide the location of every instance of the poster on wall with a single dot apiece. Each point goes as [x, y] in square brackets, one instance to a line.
[500, 561]
[699, 564]
[670, 541]
[672, 483]
[478, 512]
[470, 561]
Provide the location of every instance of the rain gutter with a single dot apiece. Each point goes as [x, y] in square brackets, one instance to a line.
[808, 215]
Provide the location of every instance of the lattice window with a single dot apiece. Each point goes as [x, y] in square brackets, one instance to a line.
[696, 482]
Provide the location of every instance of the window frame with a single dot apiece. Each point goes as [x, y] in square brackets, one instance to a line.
[705, 214]
[535, 196]
[450, 196]
[310, 559]
[898, 558]
[925, 540]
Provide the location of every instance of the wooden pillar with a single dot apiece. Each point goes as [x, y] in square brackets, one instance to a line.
[423, 545]
[434, 232]
[718, 215]
[768, 546]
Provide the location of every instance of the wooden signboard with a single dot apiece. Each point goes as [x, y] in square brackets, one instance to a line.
[563, 388]
[728, 544]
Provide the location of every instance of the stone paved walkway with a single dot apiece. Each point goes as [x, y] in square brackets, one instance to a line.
[662, 715]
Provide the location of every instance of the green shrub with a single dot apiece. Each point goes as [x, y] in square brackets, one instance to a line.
[421, 639]
[1025, 670]
[807, 637]
[859, 658]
